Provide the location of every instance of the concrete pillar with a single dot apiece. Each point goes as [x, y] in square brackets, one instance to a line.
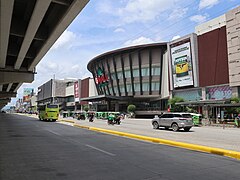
[234, 91]
[203, 93]
[108, 105]
[116, 107]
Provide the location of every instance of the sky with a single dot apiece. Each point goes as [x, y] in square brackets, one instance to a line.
[105, 25]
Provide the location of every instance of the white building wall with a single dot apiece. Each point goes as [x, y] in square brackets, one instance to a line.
[233, 44]
[34, 101]
[70, 91]
[211, 25]
[165, 79]
[92, 88]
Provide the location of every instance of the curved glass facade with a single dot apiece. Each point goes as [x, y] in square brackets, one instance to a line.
[132, 73]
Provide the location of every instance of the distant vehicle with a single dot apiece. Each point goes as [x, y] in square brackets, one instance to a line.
[175, 121]
[197, 119]
[49, 112]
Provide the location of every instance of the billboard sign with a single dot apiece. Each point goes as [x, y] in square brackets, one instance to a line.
[76, 91]
[181, 63]
[27, 94]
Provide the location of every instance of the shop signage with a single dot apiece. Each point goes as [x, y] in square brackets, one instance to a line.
[182, 72]
[219, 93]
[101, 79]
[76, 91]
[27, 94]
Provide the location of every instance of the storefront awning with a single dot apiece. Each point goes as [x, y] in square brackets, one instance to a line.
[203, 102]
[103, 97]
[212, 103]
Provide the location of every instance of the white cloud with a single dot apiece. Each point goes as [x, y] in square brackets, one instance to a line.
[119, 30]
[178, 13]
[65, 40]
[175, 37]
[142, 10]
[105, 7]
[198, 18]
[138, 41]
[207, 3]
[136, 10]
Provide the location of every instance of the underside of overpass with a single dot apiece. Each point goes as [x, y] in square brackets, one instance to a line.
[28, 29]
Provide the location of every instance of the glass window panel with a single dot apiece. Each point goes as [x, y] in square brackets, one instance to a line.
[113, 76]
[122, 88]
[136, 73]
[145, 86]
[129, 88]
[145, 71]
[127, 74]
[156, 71]
[155, 86]
[137, 87]
[120, 75]
[116, 90]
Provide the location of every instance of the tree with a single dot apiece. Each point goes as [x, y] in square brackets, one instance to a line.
[176, 108]
[85, 108]
[131, 108]
[234, 110]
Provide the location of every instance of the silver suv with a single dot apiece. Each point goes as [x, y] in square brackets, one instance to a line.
[175, 121]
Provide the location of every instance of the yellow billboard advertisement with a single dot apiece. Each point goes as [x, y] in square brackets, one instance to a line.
[182, 65]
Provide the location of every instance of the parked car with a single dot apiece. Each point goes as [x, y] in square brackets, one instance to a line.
[175, 121]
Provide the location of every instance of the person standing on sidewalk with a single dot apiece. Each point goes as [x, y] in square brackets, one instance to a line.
[238, 121]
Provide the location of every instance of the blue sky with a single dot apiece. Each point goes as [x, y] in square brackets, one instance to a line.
[105, 25]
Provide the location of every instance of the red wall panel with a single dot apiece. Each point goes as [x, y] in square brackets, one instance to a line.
[84, 90]
[212, 56]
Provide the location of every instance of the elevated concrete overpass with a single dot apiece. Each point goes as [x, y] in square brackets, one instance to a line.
[28, 28]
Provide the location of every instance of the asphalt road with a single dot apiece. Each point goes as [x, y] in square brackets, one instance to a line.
[228, 138]
[32, 149]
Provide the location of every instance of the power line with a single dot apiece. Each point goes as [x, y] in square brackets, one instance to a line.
[151, 26]
[173, 24]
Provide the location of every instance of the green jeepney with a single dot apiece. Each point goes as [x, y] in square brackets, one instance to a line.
[197, 119]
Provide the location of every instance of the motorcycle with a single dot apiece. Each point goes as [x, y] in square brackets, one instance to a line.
[110, 120]
[91, 118]
[117, 120]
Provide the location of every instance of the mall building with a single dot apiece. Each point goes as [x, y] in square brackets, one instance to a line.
[203, 68]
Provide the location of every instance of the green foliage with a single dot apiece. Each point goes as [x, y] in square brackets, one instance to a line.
[234, 100]
[234, 110]
[85, 108]
[191, 110]
[131, 108]
[176, 108]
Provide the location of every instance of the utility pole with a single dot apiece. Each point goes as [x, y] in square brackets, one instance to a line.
[53, 89]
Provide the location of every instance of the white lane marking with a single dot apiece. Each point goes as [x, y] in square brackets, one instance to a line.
[54, 132]
[108, 153]
[65, 123]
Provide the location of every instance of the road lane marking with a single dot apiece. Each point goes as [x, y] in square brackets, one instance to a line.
[54, 132]
[108, 153]
[65, 123]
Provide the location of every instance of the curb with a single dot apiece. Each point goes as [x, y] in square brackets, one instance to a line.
[211, 150]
